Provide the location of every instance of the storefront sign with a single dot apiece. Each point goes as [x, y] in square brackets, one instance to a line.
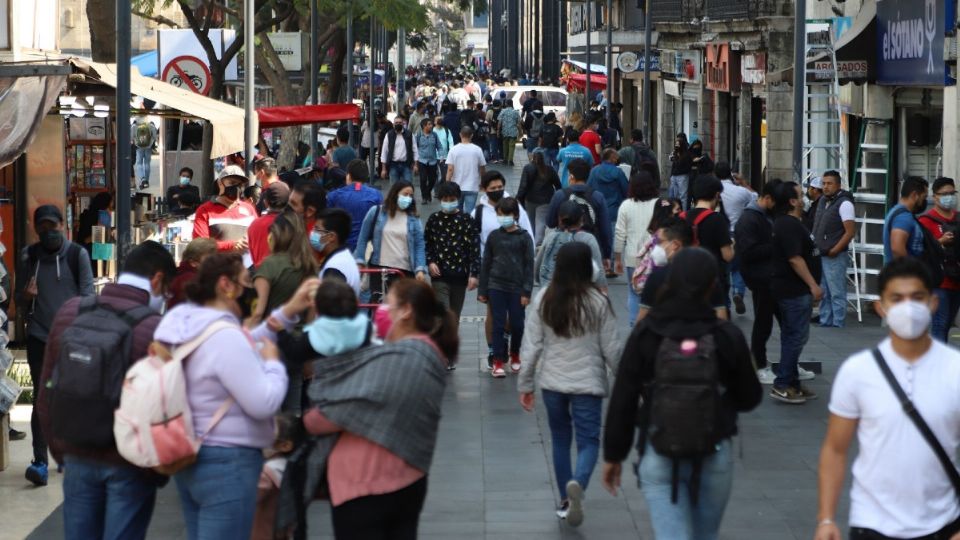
[852, 69]
[630, 61]
[671, 88]
[723, 68]
[684, 65]
[289, 47]
[753, 68]
[910, 41]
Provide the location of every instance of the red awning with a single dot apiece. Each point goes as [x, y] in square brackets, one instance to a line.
[298, 115]
[578, 81]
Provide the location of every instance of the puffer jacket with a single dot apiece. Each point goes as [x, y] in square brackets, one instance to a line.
[577, 365]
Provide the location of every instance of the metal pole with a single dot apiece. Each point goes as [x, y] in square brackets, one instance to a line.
[176, 160]
[249, 138]
[353, 141]
[646, 71]
[123, 131]
[609, 22]
[586, 89]
[371, 127]
[314, 72]
[799, 82]
[385, 57]
[401, 63]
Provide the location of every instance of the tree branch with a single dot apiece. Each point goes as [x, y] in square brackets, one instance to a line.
[159, 19]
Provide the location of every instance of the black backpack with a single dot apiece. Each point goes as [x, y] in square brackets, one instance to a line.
[933, 255]
[685, 403]
[584, 198]
[84, 389]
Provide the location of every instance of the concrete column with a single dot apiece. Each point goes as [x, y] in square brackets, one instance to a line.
[721, 121]
[744, 130]
[951, 135]
[666, 131]
[780, 131]
[705, 128]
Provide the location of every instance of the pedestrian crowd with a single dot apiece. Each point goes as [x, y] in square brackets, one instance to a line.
[311, 328]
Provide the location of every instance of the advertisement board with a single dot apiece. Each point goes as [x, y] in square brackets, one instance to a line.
[910, 41]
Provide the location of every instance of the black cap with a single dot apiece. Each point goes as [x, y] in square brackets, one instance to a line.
[47, 212]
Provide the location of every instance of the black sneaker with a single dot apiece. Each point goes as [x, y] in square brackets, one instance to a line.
[738, 304]
[490, 360]
[807, 393]
[144, 185]
[17, 435]
[788, 394]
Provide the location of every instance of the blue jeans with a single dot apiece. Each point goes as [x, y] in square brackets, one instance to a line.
[218, 493]
[633, 299]
[679, 185]
[493, 147]
[833, 306]
[551, 156]
[737, 285]
[684, 520]
[400, 171]
[142, 163]
[566, 413]
[107, 501]
[502, 303]
[468, 201]
[794, 332]
[946, 313]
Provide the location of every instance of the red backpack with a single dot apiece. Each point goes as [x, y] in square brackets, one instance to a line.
[695, 224]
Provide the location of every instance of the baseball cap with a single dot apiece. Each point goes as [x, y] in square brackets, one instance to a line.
[232, 170]
[816, 183]
[47, 212]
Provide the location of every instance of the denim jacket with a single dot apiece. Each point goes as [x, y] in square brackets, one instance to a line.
[374, 232]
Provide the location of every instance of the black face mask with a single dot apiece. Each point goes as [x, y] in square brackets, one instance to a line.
[51, 240]
[495, 196]
[398, 129]
[231, 192]
[922, 207]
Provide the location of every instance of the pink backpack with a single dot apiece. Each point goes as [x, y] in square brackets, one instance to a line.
[153, 426]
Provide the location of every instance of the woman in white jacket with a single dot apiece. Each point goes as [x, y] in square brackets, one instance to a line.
[572, 332]
[631, 231]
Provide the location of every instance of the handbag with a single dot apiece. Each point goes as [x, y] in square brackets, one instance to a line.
[918, 420]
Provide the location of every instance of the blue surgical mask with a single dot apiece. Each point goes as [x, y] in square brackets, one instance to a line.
[449, 207]
[184, 180]
[506, 221]
[404, 201]
[948, 201]
[316, 242]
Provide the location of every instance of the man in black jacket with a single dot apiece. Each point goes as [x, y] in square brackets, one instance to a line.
[754, 240]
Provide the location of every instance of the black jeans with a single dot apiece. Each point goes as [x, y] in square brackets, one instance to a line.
[35, 350]
[764, 311]
[391, 516]
[428, 179]
[859, 533]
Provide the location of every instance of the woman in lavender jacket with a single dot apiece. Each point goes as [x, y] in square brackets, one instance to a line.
[218, 493]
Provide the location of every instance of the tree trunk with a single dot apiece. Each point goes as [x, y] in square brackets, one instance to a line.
[101, 15]
[270, 65]
[340, 49]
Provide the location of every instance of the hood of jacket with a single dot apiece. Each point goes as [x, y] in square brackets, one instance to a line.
[755, 207]
[608, 173]
[329, 336]
[187, 321]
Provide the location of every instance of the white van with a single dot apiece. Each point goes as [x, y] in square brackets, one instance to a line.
[554, 99]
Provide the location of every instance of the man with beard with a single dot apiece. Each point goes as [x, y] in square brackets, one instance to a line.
[902, 233]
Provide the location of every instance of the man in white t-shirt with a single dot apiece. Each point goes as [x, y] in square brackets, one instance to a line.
[329, 239]
[900, 488]
[465, 165]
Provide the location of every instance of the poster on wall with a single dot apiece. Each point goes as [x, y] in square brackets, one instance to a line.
[910, 41]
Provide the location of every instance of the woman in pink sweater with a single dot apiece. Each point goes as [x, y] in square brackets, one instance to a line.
[374, 492]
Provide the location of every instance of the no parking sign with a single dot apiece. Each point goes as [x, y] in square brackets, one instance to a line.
[188, 72]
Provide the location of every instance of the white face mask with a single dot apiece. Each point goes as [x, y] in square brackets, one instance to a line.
[659, 256]
[909, 319]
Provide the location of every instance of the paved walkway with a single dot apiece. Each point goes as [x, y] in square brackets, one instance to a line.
[492, 477]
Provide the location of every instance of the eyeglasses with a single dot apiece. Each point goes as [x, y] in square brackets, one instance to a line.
[946, 193]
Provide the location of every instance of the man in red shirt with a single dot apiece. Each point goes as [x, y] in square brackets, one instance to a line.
[942, 223]
[590, 138]
[226, 218]
[275, 199]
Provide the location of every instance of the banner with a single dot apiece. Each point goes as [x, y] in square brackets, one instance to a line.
[910, 41]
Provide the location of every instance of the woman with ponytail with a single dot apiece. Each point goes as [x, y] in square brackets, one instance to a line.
[376, 412]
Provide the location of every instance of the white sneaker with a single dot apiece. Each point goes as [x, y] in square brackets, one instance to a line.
[575, 497]
[766, 375]
[563, 509]
[805, 375]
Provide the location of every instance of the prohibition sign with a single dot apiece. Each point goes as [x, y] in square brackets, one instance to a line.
[189, 72]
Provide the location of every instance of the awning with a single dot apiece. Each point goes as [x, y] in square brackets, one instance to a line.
[24, 101]
[856, 52]
[595, 68]
[578, 81]
[298, 115]
[146, 63]
[226, 120]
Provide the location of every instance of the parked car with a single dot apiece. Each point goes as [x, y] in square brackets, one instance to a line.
[554, 99]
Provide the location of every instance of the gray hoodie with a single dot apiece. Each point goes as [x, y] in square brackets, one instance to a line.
[55, 285]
